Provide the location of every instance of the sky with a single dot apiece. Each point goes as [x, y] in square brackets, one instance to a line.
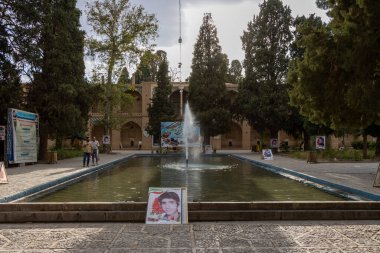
[230, 17]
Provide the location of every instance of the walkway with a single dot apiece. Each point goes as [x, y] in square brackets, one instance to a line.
[269, 237]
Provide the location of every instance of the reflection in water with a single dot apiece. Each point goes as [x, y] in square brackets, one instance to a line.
[209, 178]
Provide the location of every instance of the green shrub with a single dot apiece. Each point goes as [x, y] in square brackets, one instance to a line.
[68, 153]
[359, 145]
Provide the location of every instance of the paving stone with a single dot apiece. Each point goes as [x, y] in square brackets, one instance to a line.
[207, 250]
[234, 242]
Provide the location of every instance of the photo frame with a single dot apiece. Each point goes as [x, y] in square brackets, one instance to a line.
[274, 143]
[320, 142]
[267, 154]
[167, 206]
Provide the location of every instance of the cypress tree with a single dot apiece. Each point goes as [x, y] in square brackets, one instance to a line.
[207, 89]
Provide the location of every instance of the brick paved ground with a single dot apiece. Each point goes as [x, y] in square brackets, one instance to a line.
[268, 237]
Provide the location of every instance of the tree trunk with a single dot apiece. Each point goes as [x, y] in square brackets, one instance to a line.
[206, 140]
[377, 151]
[43, 131]
[365, 146]
[306, 141]
[59, 143]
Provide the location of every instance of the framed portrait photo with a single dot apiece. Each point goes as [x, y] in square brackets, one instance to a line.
[167, 206]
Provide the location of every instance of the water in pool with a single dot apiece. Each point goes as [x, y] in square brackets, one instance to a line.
[211, 179]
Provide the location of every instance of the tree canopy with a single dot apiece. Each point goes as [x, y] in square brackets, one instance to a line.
[161, 109]
[262, 97]
[335, 82]
[207, 89]
[121, 33]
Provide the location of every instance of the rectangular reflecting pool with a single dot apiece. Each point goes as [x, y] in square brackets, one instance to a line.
[208, 179]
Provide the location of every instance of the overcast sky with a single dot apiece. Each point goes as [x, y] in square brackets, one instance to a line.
[230, 18]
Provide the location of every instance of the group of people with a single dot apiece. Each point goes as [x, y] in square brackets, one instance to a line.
[90, 149]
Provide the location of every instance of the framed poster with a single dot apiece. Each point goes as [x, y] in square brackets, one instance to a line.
[167, 206]
[320, 142]
[267, 154]
[106, 139]
[273, 143]
[22, 136]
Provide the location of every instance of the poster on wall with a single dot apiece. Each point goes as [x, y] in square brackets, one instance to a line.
[172, 135]
[320, 142]
[106, 140]
[273, 143]
[22, 136]
[167, 206]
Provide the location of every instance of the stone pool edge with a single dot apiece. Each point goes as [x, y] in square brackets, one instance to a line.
[324, 185]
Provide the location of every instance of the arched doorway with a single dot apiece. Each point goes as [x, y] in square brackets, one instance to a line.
[130, 135]
[232, 139]
[137, 103]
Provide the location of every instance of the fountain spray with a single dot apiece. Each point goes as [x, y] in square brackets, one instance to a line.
[187, 130]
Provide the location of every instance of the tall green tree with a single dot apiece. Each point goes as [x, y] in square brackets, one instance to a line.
[336, 81]
[22, 22]
[207, 89]
[161, 109]
[10, 86]
[121, 33]
[234, 74]
[262, 98]
[148, 68]
[58, 91]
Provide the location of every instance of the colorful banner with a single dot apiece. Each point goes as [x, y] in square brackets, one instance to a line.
[22, 136]
[172, 135]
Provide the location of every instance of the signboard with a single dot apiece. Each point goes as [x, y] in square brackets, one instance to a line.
[172, 135]
[167, 206]
[267, 154]
[22, 136]
[3, 174]
[2, 133]
[320, 142]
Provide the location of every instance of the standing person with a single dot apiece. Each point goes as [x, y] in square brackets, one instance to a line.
[95, 151]
[86, 145]
[140, 145]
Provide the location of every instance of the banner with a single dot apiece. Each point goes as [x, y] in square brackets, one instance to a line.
[3, 174]
[172, 135]
[167, 206]
[22, 137]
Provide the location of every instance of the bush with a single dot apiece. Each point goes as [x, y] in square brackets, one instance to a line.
[359, 145]
[68, 153]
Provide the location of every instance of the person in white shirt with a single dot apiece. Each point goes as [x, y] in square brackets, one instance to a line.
[95, 151]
